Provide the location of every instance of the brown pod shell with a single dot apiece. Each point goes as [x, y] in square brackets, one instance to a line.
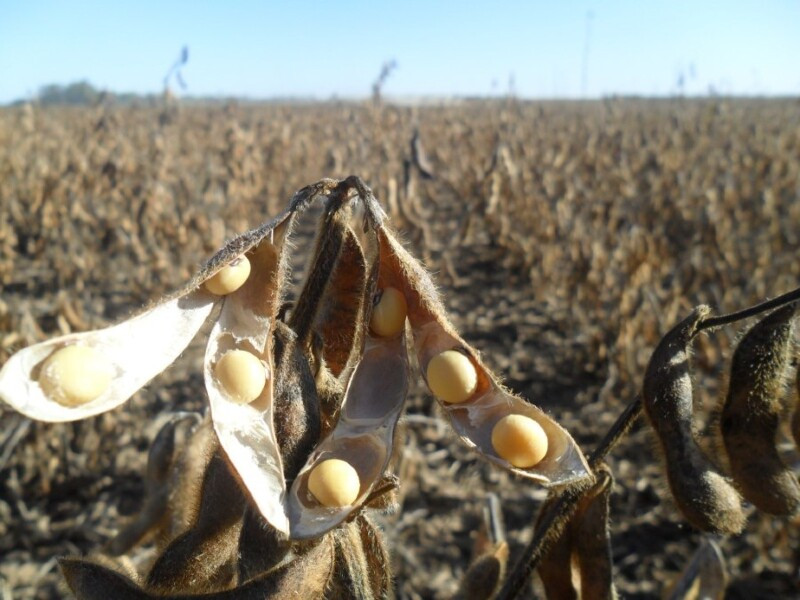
[752, 413]
[247, 322]
[307, 575]
[202, 558]
[592, 540]
[338, 323]
[578, 564]
[555, 568]
[475, 418]
[704, 497]
[796, 416]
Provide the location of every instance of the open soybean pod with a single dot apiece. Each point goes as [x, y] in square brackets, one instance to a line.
[703, 495]
[345, 466]
[239, 374]
[753, 410]
[84, 374]
[502, 427]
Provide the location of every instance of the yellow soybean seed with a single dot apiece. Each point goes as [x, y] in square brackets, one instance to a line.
[75, 375]
[389, 314]
[242, 375]
[452, 377]
[334, 482]
[230, 278]
[520, 440]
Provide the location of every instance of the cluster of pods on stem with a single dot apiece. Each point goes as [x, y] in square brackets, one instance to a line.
[304, 399]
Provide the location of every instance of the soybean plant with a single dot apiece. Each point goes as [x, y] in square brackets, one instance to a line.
[270, 493]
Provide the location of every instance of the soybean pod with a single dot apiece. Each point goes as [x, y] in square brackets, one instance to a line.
[752, 413]
[701, 493]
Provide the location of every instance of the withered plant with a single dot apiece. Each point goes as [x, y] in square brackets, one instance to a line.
[270, 494]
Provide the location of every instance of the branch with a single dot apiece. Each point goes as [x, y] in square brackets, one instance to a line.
[721, 320]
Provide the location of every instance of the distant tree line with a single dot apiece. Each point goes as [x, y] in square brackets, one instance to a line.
[79, 93]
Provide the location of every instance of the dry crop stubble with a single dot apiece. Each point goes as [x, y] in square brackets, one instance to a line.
[561, 319]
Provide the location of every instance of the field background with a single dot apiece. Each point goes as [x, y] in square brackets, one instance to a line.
[566, 238]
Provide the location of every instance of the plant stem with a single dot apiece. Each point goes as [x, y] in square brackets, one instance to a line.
[721, 320]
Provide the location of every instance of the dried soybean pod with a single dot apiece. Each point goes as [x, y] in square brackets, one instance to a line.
[752, 413]
[379, 563]
[199, 559]
[796, 415]
[365, 431]
[704, 497]
[578, 564]
[484, 575]
[89, 580]
[555, 569]
[136, 350]
[248, 322]
[591, 540]
[307, 575]
[353, 575]
[41, 381]
[468, 391]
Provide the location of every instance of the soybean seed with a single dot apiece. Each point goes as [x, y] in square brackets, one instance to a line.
[452, 377]
[389, 314]
[334, 482]
[230, 278]
[75, 375]
[520, 440]
[242, 375]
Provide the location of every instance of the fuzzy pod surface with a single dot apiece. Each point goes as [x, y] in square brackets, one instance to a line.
[705, 497]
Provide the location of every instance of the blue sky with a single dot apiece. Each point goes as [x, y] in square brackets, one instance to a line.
[302, 48]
